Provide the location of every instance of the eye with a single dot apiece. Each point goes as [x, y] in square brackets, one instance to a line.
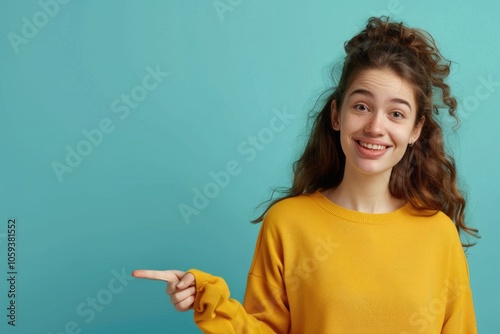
[397, 114]
[361, 107]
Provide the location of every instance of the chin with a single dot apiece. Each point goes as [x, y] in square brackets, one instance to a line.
[373, 169]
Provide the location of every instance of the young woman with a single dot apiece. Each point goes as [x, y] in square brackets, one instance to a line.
[365, 240]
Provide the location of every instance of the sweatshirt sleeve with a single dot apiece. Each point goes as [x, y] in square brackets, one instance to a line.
[265, 309]
[215, 312]
[459, 316]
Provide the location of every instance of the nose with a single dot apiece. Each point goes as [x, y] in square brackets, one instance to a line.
[375, 125]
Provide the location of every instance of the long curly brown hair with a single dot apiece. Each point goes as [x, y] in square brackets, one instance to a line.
[426, 175]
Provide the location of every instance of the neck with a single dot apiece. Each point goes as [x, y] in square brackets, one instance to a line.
[364, 193]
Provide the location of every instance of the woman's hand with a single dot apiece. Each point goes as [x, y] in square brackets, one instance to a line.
[180, 286]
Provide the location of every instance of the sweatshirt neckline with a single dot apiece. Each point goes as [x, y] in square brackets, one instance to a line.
[361, 217]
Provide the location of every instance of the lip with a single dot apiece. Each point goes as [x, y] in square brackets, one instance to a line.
[370, 154]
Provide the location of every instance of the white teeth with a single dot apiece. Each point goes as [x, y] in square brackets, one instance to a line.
[372, 147]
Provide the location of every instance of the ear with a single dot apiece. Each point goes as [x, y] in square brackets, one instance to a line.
[335, 116]
[417, 130]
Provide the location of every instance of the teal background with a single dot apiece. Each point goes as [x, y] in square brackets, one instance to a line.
[118, 210]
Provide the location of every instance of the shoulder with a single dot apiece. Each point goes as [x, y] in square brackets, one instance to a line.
[291, 207]
[438, 226]
[289, 212]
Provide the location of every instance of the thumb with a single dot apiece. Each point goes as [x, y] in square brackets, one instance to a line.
[187, 280]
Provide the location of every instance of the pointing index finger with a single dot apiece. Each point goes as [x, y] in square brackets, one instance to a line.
[159, 275]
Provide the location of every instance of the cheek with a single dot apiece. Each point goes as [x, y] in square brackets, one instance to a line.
[346, 142]
[403, 136]
[343, 143]
[350, 124]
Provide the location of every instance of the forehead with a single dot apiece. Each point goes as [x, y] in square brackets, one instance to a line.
[383, 84]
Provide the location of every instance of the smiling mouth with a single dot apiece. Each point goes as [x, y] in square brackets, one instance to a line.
[371, 146]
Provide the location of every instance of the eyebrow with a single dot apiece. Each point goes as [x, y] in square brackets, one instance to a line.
[368, 93]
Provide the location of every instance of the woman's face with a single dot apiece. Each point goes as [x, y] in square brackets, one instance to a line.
[376, 122]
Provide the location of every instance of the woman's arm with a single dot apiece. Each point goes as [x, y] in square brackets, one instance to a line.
[264, 310]
[459, 315]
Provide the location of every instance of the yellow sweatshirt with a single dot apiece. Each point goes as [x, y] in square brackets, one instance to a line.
[321, 268]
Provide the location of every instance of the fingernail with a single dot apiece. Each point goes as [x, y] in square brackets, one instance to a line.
[180, 284]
